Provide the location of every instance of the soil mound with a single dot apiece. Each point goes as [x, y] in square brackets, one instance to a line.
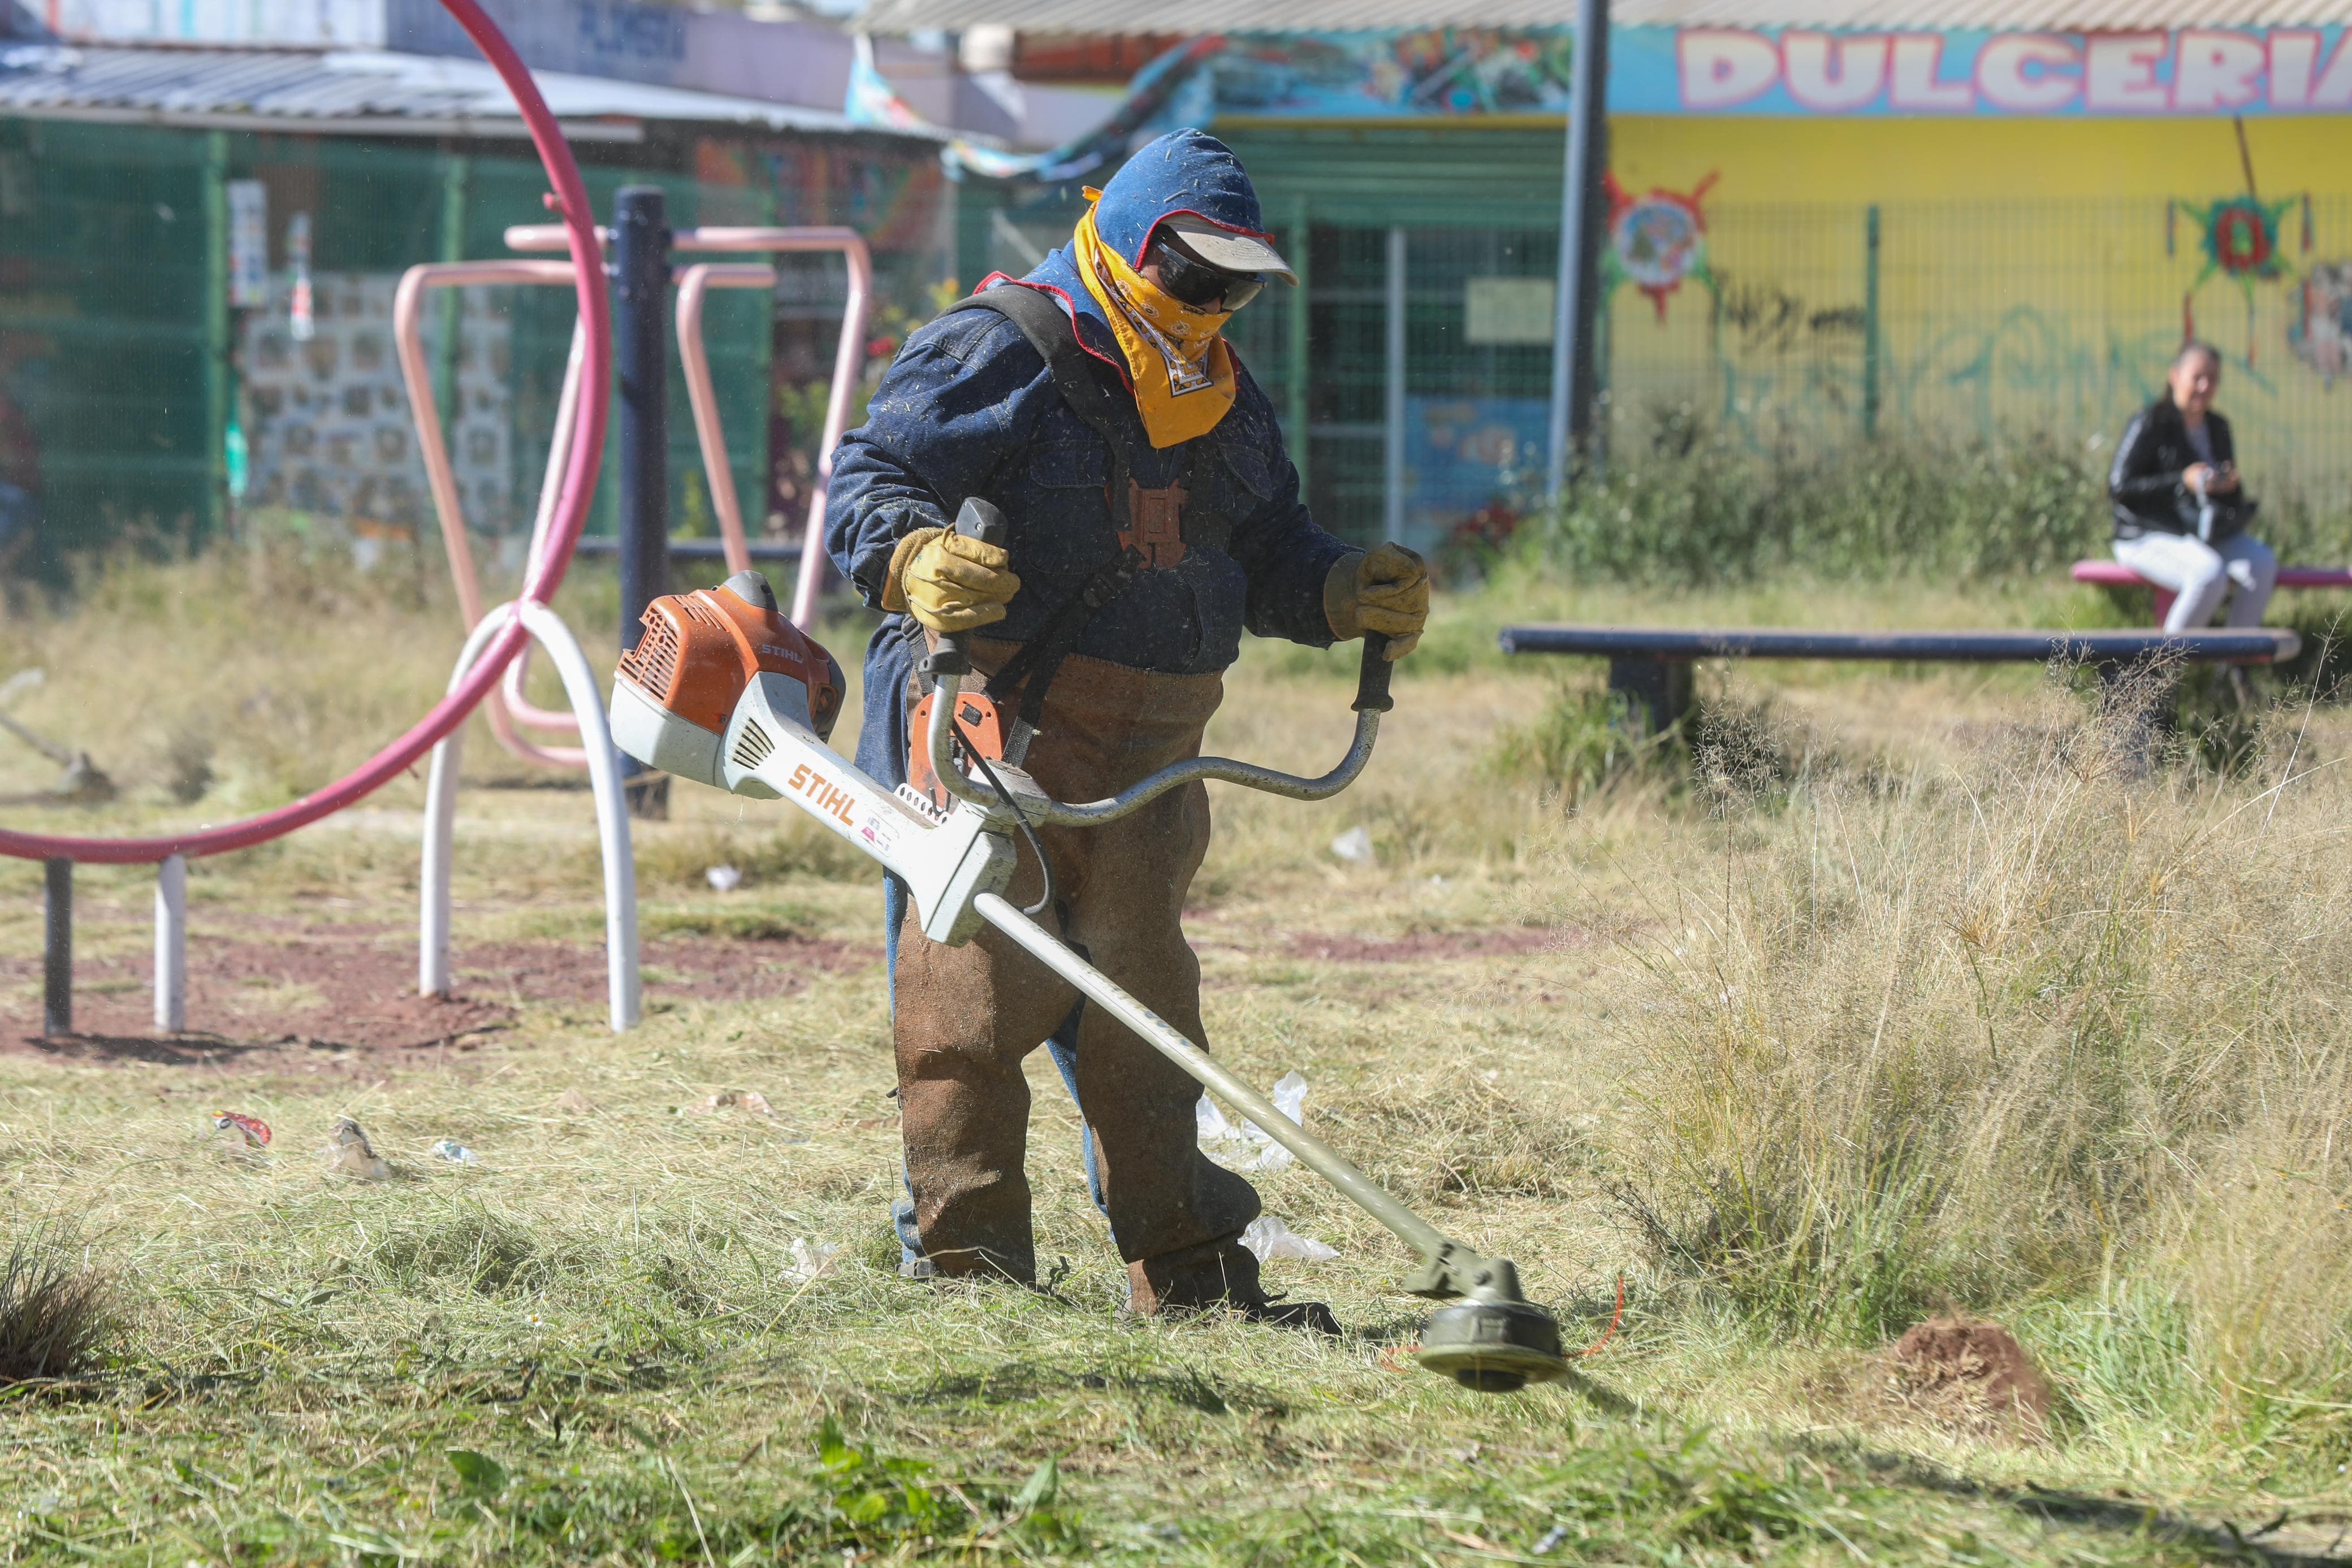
[1952, 1360]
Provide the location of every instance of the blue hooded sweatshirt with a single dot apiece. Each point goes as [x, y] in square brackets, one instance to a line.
[969, 409]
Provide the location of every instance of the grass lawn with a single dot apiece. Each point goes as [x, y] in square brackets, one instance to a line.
[1899, 994]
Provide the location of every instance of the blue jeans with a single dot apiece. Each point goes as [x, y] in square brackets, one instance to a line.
[1063, 1047]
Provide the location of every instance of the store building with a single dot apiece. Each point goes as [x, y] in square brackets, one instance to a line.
[1827, 222]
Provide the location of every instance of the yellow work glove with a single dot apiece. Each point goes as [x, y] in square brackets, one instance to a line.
[1384, 590]
[947, 581]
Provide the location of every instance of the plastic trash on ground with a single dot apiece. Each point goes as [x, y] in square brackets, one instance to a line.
[455, 1153]
[809, 1258]
[749, 1100]
[349, 1153]
[1354, 846]
[1270, 1238]
[723, 878]
[1247, 1147]
[240, 1131]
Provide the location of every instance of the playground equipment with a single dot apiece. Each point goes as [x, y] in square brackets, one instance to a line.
[721, 690]
[508, 706]
[500, 640]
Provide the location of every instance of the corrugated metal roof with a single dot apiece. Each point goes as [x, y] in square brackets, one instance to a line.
[1349, 15]
[353, 92]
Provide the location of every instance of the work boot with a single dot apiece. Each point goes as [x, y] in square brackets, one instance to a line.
[1228, 1278]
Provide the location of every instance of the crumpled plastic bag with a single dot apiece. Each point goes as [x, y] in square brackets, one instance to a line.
[1270, 1238]
[809, 1258]
[1248, 1148]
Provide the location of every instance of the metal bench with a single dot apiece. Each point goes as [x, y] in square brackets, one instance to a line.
[2115, 574]
[1651, 664]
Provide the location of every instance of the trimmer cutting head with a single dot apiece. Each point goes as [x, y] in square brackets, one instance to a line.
[1495, 1341]
[676, 691]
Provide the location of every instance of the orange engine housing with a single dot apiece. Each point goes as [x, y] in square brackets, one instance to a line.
[702, 650]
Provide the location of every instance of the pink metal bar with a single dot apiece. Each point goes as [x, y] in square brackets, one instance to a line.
[570, 199]
[848, 360]
[441, 480]
[693, 284]
[559, 451]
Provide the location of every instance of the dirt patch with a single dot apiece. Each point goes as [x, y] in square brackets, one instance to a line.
[1982, 1362]
[356, 990]
[1951, 1373]
[1426, 946]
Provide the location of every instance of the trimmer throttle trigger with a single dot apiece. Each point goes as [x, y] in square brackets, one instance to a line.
[1372, 675]
[979, 521]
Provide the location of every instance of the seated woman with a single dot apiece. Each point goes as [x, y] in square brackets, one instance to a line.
[2180, 512]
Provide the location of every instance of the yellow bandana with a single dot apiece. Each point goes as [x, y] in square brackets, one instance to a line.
[1184, 371]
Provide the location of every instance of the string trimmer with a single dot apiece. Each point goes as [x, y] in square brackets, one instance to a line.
[723, 690]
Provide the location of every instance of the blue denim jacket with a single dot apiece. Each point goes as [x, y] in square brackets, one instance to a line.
[969, 409]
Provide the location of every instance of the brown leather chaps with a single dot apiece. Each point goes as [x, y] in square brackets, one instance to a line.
[966, 1017]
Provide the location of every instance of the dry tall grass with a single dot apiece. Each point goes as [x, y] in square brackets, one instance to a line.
[2029, 1032]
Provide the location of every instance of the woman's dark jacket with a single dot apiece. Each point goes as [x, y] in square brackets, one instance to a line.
[2144, 489]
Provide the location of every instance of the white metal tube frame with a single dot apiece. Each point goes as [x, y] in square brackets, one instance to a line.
[612, 814]
[848, 358]
[171, 944]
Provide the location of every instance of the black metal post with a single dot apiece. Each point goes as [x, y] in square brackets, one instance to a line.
[641, 343]
[1584, 222]
[56, 950]
[1657, 692]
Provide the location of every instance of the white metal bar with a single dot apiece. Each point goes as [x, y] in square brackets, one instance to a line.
[580, 690]
[440, 827]
[171, 944]
[612, 809]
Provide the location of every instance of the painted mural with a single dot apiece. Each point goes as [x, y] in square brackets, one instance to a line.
[1657, 240]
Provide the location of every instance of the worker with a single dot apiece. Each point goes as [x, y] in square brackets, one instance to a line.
[1154, 514]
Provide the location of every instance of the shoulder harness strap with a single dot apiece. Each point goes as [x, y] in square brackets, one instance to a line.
[1047, 327]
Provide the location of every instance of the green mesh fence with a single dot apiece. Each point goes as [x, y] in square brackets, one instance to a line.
[1784, 327]
[128, 383]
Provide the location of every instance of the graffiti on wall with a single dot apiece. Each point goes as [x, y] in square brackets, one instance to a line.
[2238, 239]
[1657, 240]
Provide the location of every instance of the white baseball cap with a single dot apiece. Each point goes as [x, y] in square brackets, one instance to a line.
[1227, 249]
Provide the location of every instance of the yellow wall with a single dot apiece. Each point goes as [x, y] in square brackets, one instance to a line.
[2026, 282]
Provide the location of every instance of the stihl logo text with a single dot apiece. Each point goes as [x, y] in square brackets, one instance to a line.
[832, 803]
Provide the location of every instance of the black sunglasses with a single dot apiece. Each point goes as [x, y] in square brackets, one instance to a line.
[1188, 279]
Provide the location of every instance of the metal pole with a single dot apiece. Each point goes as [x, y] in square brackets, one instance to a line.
[1298, 351]
[171, 944]
[1581, 219]
[1393, 477]
[1871, 351]
[56, 949]
[641, 274]
[1155, 1032]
